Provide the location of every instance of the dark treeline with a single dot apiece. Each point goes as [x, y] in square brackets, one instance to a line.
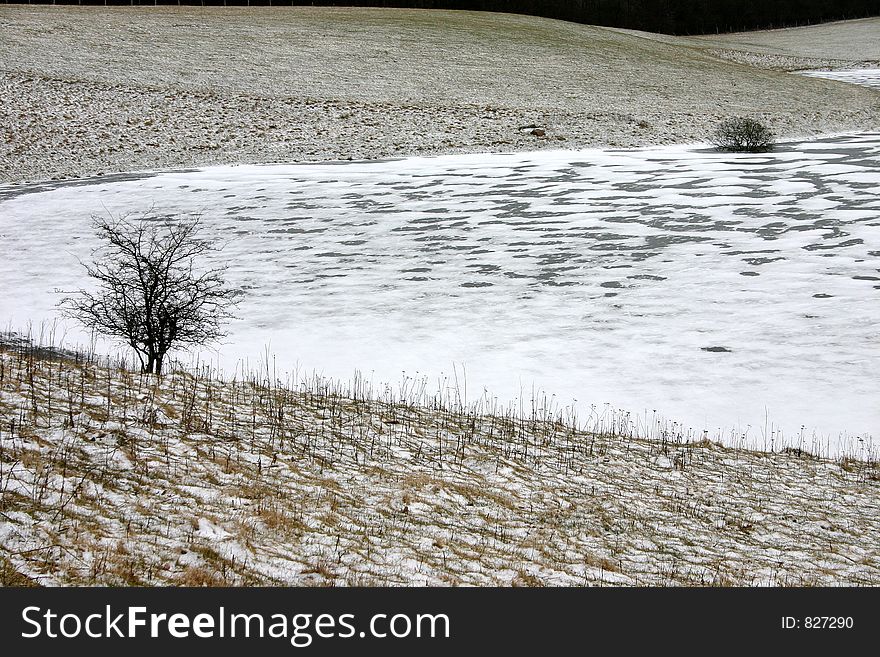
[670, 16]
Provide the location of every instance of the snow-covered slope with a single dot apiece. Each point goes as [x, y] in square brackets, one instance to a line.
[109, 477]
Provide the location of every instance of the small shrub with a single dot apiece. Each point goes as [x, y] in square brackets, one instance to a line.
[743, 135]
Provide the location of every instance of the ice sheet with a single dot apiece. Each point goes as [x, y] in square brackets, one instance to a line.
[736, 294]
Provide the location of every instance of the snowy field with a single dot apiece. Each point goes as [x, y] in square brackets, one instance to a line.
[735, 294]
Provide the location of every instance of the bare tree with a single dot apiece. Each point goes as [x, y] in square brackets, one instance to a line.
[150, 293]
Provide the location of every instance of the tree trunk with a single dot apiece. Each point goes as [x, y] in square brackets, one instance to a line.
[150, 367]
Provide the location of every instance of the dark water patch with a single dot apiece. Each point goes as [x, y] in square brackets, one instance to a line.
[866, 278]
[430, 222]
[662, 241]
[607, 237]
[838, 245]
[335, 254]
[421, 228]
[860, 185]
[417, 196]
[441, 239]
[548, 259]
[476, 284]
[822, 295]
[761, 261]
[493, 222]
[771, 231]
[614, 247]
[563, 176]
[555, 283]
[302, 205]
[298, 231]
[415, 229]
[639, 256]
[484, 268]
[717, 350]
[612, 284]
[749, 273]
[557, 271]
[535, 214]
[441, 211]
[647, 277]
[388, 209]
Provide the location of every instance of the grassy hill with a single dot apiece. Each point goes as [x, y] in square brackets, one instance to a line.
[115, 478]
[670, 16]
[89, 89]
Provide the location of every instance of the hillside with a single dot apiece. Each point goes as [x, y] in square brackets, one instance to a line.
[844, 44]
[112, 477]
[669, 16]
[88, 90]
[115, 478]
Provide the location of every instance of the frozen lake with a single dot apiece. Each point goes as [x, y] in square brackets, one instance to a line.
[869, 77]
[737, 294]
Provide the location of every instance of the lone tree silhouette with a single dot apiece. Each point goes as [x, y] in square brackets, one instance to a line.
[150, 294]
